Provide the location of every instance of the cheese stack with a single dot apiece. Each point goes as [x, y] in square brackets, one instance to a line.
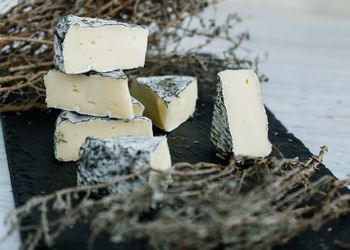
[89, 84]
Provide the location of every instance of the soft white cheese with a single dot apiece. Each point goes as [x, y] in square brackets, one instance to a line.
[85, 44]
[105, 160]
[239, 123]
[137, 106]
[72, 129]
[99, 94]
[169, 100]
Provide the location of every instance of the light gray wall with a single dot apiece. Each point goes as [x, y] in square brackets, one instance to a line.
[328, 7]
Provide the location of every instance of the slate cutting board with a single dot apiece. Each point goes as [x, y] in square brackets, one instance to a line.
[33, 169]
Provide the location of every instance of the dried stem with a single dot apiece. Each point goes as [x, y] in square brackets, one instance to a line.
[203, 206]
[26, 41]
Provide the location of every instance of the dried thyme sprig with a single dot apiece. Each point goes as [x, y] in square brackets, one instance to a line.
[203, 206]
[26, 41]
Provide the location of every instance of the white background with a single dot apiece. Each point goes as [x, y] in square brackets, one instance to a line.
[308, 42]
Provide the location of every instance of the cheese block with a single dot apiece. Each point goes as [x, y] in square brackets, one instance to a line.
[137, 106]
[99, 94]
[169, 100]
[82, 44]
[72, 129]
[239, 124]
[105, 160]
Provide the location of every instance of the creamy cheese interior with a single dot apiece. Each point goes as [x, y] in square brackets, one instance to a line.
[70, 136]
[246, 113]
[181, 108]
[167, 116]
[137, 107]
[104, 48]
[160, 160]
[91, 95]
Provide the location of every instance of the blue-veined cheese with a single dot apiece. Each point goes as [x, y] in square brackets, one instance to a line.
[239, 124]
[99, 94]
[169, 100]
[82, 44]
[72, 129]
[105, 160]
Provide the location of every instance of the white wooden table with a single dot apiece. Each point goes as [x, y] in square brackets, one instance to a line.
[308, 66]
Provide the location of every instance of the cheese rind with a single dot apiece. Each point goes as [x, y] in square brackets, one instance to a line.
[239, 124]
[169, 100]
[102, 161]
[82, 44]
[137, 107]
[72, 129]
[99, 94]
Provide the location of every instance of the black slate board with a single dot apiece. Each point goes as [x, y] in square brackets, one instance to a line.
[33, 169]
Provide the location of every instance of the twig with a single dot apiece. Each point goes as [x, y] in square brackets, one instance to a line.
[343, 245]
[24, 39]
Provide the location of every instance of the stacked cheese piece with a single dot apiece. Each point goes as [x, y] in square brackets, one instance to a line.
[90, 87]
[89, 84]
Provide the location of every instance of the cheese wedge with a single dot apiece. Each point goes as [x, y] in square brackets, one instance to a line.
[137, 106]
[105, 160]
[72, 129]
[239, 124]
[169, 100]
[99, 94]
[82, 44]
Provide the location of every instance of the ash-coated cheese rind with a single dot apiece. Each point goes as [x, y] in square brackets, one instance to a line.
[220, 132]
[169, 100]
[115, 74]
[166, 88]
[99, 94]
[239, 124]
[104, 160]
[82, 44]
[72, 129]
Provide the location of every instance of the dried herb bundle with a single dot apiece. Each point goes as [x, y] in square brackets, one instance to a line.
[256, 204]
[26, 40]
